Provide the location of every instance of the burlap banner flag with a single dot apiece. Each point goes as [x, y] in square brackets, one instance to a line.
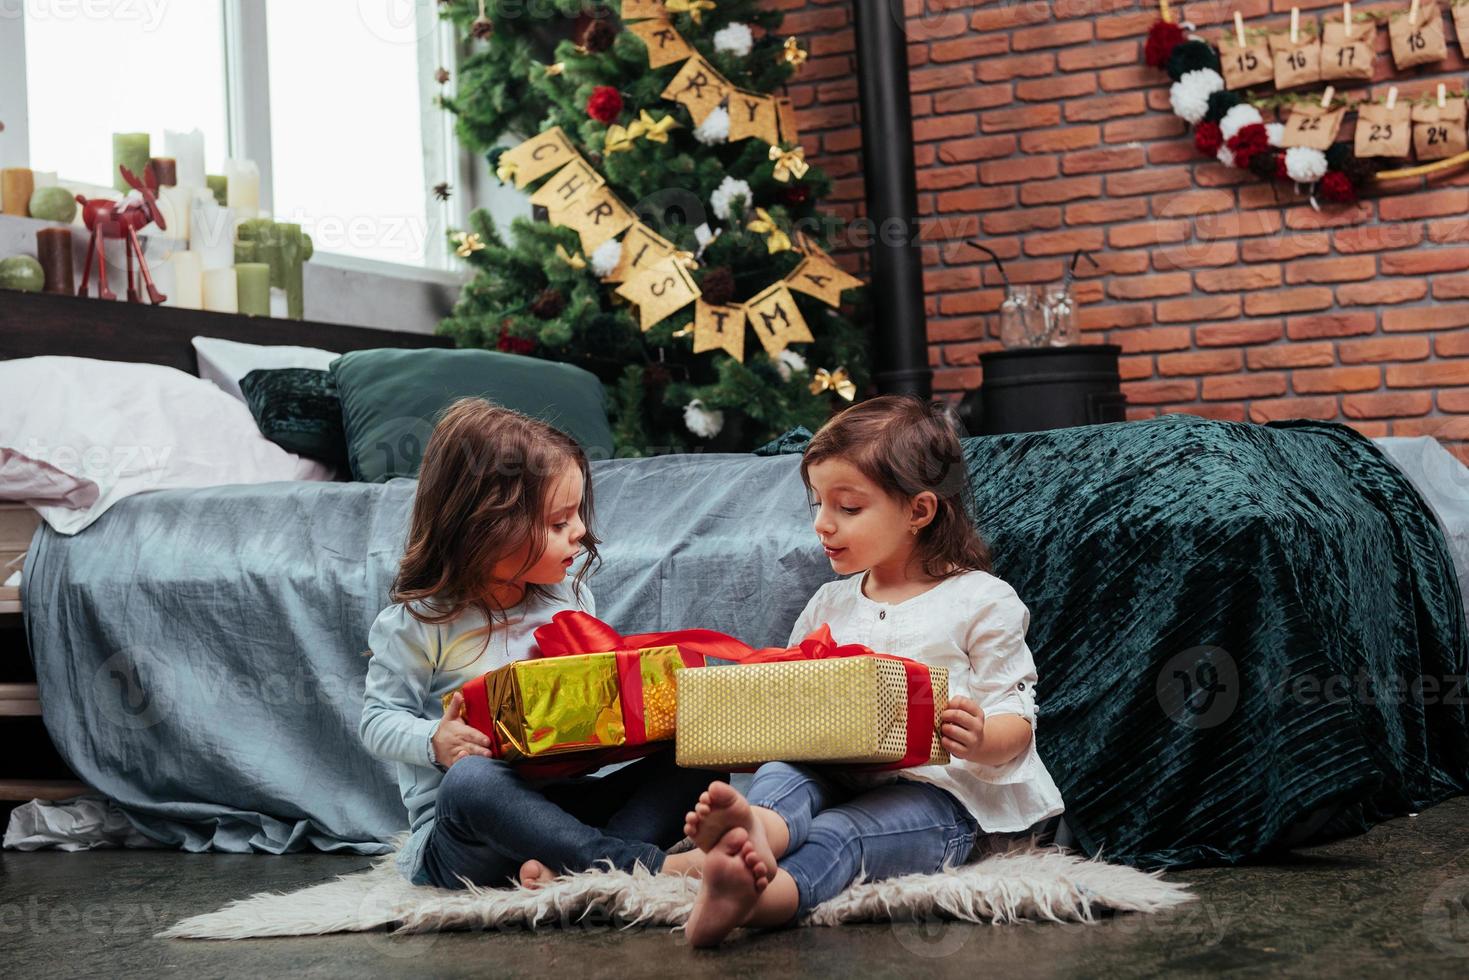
[642, 247]
[719, 328]
[699, 88]
[665, 44]
[538, 156]
[776, 320]
[659, 291]
[596, 216]
[753, 115]
[818, 276]
[567, 185]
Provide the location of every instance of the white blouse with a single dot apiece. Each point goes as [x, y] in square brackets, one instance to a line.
[973, 624]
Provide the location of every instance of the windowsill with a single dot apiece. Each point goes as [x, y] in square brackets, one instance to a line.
[390, 270]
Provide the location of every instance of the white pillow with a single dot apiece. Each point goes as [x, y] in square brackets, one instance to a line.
[225, 362]
[78, 435]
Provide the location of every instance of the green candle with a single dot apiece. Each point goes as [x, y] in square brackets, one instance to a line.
[129, 150]
[254, 285]
[219, 186]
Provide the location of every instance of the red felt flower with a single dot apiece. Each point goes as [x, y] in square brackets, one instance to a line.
[1208, 139]
[605, 104]
[1247, 142]
[514, 345]
[1163, 37]
[1337, 186]
[1280, 172]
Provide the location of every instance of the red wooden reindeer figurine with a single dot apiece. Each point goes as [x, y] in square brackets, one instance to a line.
[121, 219]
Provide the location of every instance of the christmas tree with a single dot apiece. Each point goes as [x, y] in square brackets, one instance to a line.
[673, 205]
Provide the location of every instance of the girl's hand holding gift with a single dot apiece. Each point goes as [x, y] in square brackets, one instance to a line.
[453, 739]
[961, 728]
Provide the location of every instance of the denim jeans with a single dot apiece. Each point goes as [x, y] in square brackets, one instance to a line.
[838, 833]
[489, 820]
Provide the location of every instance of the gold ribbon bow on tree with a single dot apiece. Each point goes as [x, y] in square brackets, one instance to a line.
[506, 172]
[575, 261]
[466, 243]
[789, 163]
[794, 54]
[657, 132]
[836, 381]
[763, 224]
[694, 8]
[621, 138]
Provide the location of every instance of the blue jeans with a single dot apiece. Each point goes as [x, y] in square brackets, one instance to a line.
[489, 819]
[839, 833]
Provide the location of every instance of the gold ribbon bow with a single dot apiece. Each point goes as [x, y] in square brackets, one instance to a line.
[789, 163]
[694, 8]
[688, 260]
[575, 261]
[836, 381]
[467, 243]
[506, 172]
[776, 240]
[555, 69]
[621, 137]
[654, 131]
[794, 54]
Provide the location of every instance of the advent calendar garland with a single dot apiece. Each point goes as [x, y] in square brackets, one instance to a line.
[1234, 132]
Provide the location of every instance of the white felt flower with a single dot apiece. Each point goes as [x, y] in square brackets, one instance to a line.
[1189, 96]
[606, 257]
[1238, 118]
[787, 362]
[1305, 165]
[729, 190]
[1225, 156]
[735, 39]
[1275, 132]
[702, 422]
[714, 129]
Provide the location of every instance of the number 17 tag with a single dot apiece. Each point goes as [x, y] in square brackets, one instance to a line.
[1310, 125]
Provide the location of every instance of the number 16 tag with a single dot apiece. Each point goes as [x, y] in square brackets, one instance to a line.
[1310, 125]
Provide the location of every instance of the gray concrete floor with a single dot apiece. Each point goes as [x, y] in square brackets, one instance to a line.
[1392, 902]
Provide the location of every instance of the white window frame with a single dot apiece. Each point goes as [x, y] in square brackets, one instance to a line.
[246, 63]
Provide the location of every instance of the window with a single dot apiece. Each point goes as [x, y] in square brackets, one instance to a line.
[333, 101]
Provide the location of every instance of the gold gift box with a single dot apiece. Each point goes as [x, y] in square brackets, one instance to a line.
[836, 710]
[557, 705]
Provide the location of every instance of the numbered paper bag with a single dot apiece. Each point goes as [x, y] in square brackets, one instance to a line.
[1460, 10]
[1347, 56]
[1310, 125]
[1383, 132]
[1298, 63]
[1248, 65]
[1420, 40]
[1439, 132]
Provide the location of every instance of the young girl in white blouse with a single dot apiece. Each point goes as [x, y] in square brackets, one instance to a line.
[886, 479]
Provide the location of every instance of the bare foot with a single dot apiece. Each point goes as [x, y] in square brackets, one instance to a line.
[720, 809]
[534, 874]
[728, 893]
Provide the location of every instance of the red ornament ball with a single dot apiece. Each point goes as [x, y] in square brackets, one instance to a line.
[605, 104]
[1208, 139]
[1337, 186]
[1162, 39]
[514, 345]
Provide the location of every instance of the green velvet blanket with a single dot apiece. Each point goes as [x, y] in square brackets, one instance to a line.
[1247, 637]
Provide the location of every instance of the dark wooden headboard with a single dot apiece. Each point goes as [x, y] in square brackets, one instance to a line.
[37, 324]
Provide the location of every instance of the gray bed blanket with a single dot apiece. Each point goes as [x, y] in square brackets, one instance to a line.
[200, 652]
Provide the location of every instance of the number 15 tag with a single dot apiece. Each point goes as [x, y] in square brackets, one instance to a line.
[1245, 66]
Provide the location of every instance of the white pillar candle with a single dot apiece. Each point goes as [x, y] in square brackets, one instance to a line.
[212, 233]
[175, 203]
[188, 282]
[221, 291]
[243, 190]
[43, 178]
[187, 149]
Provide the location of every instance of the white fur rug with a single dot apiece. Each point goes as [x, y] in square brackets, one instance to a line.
[1022, 885]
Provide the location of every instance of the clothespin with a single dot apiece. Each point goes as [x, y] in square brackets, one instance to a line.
[1413, 14]
[1392, 97]
[1239, 28]
[1442, 95]
[1327, 96]
[1346, 18]
[1295, 25]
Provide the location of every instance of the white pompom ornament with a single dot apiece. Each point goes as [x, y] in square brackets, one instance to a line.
[606, 257]
[1225, 156]
[725, 195]
[1238, 118]
[702, 422]
[736, 39]
[1305, 165]
[714, 129]
[1189, 96]
[1275, 132]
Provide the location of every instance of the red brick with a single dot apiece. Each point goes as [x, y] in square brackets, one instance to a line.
[1308, 217]
[1421, 204]
[1060, 191]
[1296, 355]
[1191, 204]
[1238, 224]
[1194, 255]
[1377, 238]
[1244, 386]
[1330, 325]
[1147, 287]
[1135, 368]
[1150, 181]
[1427, 260]
[1050, 36]
[1362, 378]
[1387, 405]
[1098, 56]
[1453, 400]
[1145, 233]
[1444, 429]
[1426, 317]
[976, 148]
[1372, 430]
[1190, 310]
[1002, 17]
[942, 178]
[944, 127]
[1375, 350]
[1102, 161]
[969, 48]
[1128, 77]
[1106, 107]
[947, 77]
[1158, 392]
[1288, 301]
[1219, 411]
[1200, 362]
[1128, 25]
[1112, 316]
[1428, 374]
[1233, 334]
[1015, 66]
[1018, 169]
[1057, 140]
[1292, 408]
[946, 280]
[1020, 219]
[1151, 339]
[1454, 344]
[1343, 269]
[972, 97]
[1143, 128]
[1284, 248]
[1064, 242]
[1238, 277]
[1021, 117]
[1451, 287]
[1381, 292]
[1454, 229]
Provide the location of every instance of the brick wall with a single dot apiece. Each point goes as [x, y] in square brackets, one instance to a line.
[1039, 131]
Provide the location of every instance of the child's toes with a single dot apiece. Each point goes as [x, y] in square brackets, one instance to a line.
[702, 809]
